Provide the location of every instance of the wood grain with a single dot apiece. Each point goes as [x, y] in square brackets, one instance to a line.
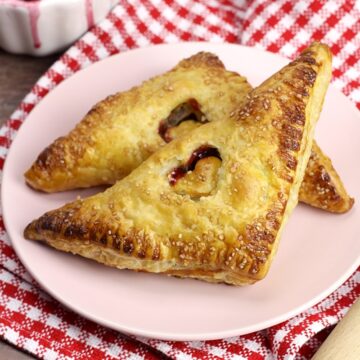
[344, 340]
[17, 75]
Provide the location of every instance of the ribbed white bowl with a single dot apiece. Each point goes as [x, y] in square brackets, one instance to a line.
[43, 27]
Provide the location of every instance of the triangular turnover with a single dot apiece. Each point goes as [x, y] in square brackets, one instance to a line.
[211, 205]
[122, 131]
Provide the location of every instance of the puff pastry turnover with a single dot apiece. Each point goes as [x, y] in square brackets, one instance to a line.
[120, 132]
[210, 205]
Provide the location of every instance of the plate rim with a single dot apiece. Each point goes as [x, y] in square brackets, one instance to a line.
[155, 334]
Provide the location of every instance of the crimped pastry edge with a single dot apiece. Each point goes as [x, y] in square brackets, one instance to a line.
[111, 258]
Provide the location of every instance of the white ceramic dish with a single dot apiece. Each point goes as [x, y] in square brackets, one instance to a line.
[41, 27]
[317, 252]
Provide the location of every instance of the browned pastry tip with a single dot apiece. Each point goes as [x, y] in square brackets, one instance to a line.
[202, 58]
[322, 186]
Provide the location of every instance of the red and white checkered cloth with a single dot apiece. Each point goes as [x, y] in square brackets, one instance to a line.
[32, 320]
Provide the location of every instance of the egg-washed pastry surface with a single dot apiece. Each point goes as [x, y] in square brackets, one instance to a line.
[119, 133]
[322, 186]
[210, 205]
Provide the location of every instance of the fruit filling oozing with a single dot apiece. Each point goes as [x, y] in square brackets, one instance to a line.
[184, 118]
[198, 177]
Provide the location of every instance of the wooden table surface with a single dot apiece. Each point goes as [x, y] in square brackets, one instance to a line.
[17, 75]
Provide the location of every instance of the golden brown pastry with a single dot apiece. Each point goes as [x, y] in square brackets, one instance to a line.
[119, 133]
[322, 186]
[210, 205]
[122, 131]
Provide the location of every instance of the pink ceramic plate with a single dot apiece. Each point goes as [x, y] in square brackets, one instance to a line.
[318, 251]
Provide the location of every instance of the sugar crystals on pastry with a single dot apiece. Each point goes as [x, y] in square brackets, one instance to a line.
[125, 129]
[322, 186]
[119, 133]
[210, 205]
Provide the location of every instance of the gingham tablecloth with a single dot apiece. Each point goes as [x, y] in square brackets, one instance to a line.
[32, 320]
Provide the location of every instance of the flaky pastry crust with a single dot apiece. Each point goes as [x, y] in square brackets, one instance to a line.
[119, 133]
[122, 131]
[231, 233]
[322, 186]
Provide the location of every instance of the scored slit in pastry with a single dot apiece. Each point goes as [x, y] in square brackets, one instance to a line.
[119, 133]
[210, 205]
